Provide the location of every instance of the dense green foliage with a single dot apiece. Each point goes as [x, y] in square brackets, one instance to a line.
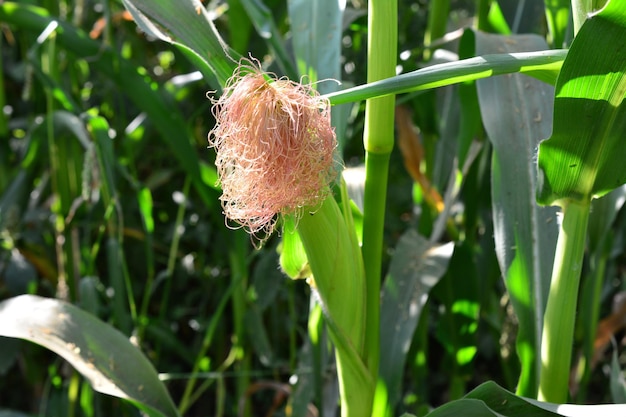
[109, 201]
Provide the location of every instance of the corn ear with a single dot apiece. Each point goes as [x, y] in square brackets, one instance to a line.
[338, 279]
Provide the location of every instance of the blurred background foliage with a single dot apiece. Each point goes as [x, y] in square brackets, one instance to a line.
[108, 200]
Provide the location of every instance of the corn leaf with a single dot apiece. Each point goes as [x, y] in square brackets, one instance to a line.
[103, 355]
[584, 157]
[186, 24]
[543, 65]
[516, 112]
[491, 400]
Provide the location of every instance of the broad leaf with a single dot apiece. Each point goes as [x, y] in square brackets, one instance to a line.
[317, 29]
[103, 355]
[490, 400]
[584, 157]
[516, 112]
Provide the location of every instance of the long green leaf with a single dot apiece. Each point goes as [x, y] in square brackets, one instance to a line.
[517, 112]
[584, 157]
[543, 65]
[103, 355]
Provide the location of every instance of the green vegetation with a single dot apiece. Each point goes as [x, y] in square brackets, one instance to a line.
[468, 261]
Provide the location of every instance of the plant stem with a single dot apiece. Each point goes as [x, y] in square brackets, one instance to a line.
[237, 257]
[437, 20]
[378, 142]
[4, 130]
[559, 319]
[189, 396]
[172, 256]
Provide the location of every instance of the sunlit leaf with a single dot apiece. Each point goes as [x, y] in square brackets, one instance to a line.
[103, 355]
[584, 157]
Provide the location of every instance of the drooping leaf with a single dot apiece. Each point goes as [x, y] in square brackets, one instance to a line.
[584, 157]
[103, 355]
[186, 24]
[517, 111]
[416, 267]
[490, 400]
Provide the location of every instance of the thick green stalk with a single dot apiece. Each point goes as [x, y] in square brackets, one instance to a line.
[378, 142]
[560, 315]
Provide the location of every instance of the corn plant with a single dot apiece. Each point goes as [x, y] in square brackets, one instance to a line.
[512, 185]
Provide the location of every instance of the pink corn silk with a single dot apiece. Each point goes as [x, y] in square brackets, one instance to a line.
[275, 148]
